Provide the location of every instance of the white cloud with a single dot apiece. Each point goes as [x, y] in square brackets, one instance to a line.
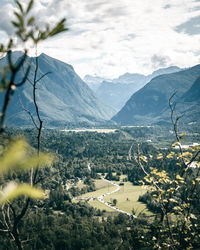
[109, 37]
[6, 14]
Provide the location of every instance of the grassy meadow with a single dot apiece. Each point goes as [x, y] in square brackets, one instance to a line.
[126, 197]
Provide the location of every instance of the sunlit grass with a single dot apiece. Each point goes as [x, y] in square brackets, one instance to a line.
[98, 192]
[127, 197]
[98, 205]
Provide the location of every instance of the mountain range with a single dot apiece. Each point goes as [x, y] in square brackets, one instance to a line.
[63, 98]
[150, 105]
[116, 92]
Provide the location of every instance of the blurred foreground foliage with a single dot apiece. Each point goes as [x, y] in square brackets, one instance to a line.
[19, 156]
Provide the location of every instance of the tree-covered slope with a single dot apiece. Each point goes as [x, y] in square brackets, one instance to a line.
[150, 104]
[62, 96]
[116, 92]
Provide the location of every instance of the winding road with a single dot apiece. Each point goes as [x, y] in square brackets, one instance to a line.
[100, 199]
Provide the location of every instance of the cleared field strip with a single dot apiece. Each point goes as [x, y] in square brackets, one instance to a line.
[110, 205]
[126, 197]
[98, 130]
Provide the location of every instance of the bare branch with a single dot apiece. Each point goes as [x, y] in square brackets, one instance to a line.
[4, 218]
[4, 230]
[129, 152]
[139, 161]
[24, 78]
[8, 95]
[43, 76]
[27, 111]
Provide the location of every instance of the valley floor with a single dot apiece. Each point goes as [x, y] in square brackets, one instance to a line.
[125, 194]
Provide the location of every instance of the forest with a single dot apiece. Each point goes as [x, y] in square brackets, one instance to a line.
[39, 170]
[64, 224]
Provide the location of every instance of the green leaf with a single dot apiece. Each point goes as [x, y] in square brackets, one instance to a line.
[30, 21]
[182, 134]
[10, 44]
[17, 25]
[60, 27]
[20, 19]
[30, 5]
[19, 6]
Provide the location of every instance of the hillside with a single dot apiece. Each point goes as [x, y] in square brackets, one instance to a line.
[115, 93]
[150, 104]
[62, 96]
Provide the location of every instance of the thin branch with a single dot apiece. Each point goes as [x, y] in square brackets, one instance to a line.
[43, 76]
[24, 78]
[175, 128]
[139, 162]
[4, 230]
[35, 103]
[130, 151]
[27, 111]
[7, 98]
[193, 158]
[13, 210]
[164, 211]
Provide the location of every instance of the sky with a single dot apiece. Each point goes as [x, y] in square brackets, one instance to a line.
[108, 38]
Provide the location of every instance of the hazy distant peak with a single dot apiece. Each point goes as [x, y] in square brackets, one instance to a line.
[127, 74]
[167, 70]
[150, 105]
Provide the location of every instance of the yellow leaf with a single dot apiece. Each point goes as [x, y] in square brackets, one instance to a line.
[185, 154]
[143, 158]
[178, 177]
[170, 155]
[14, 154]
[159, 156]
[173, 200]
[20, 156]
[193, 216]
[13, 191]
[175, 144]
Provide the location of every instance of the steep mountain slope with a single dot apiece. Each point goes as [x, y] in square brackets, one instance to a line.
[150, 104]
[115, 93]
[189, 104]
[62, 96]
[193, 94]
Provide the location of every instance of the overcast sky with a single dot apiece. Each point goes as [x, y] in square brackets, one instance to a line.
[111, 37]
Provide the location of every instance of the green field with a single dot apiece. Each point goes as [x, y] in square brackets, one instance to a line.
[102, 187]
[126, 197]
